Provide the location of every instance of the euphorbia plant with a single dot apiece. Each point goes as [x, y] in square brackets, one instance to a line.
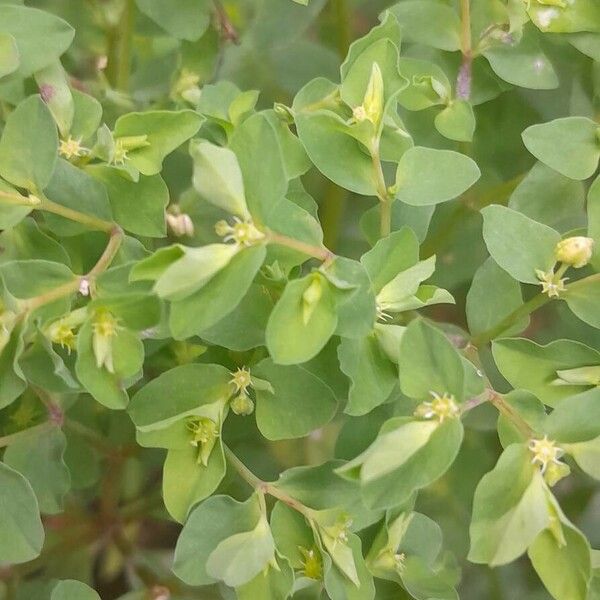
[338, 339]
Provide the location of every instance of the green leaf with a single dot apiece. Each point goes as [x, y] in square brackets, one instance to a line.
[301, 317]
[12, 379]
[21, 528]
[186, 481]
[40, 36]
[108, 388]
[372, 375]
[10, 215]
[137, 207]
[217, 298]
[255, 144]
[299, 403]
[429, 22]
[522, 62]
[356, 308]
[388, 29]
[583, 297]
[579, 15]
[562, 565]
[406, 456]
[177, 393]
[26, 241]
[239, 558]
[593, 213]
[40, 460]
[244, 327]
[429, 363]
[427, 176]
[208, 525]
[575, 426]
[69, 589]
[518, 244]
[384, 53]
[456, 121]
[510, 509]
[56, 93]
[75, 189]
[538, 369]
[493, 295]
[87, 117]
[218, 178]
[272, 583]
[428, 84]
[391, 255]
[187, 22]
[337, 584]
[165, 131]
[29, 278]
[30, 128]
[193, 270]
[548, 197]
[568, 145]
[324, 135]
[9, 54]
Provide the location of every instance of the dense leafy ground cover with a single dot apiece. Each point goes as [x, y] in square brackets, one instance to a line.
[299, 299]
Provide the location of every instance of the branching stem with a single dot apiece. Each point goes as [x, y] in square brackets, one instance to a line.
[319, 252]
[264, 487]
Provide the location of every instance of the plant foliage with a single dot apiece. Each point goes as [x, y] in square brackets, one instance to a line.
[336, 339]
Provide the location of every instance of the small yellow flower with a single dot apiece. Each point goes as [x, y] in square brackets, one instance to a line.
[241, 379]
[312, 566]
[545, 453]
[372, 106]
[552, 284]
[575, 251]
[204, 436]
[243, 233]
[440, 408]
[105, 328]
[61, 333]
[71, 148]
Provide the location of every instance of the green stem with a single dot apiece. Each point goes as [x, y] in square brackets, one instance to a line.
[385, 223]
[509, 412]
[522, 311]
[74, 215]
[124, 45]
[264, 487]
[114, 243]
[320, 253]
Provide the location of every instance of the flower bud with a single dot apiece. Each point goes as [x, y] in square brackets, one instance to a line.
[180, 223]
[242, 405]
[373, 102]
[310, 298]
[285, 113]
[575, 251]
